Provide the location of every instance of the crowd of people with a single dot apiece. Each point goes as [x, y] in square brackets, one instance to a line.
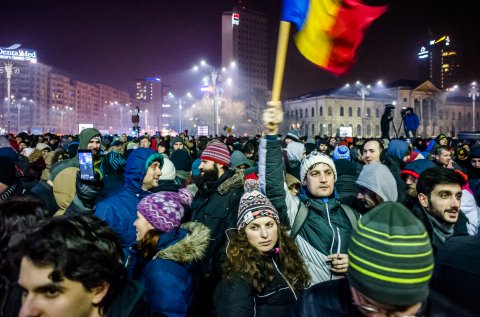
[273, 225]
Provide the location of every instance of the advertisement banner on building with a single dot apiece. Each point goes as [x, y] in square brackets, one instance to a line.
[16, 53]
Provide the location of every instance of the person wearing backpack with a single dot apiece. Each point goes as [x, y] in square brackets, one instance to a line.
[320, 224]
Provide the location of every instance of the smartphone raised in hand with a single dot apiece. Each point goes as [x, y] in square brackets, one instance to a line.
[85, 162]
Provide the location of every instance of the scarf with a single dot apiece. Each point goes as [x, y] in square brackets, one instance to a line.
[441, 231]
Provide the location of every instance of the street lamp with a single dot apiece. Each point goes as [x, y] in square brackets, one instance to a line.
[363, 92]
[214, 77]
[181, 102]
[473, 93]
[62, 113]
[9, 69]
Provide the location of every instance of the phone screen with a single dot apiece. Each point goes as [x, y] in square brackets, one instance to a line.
[85, 162]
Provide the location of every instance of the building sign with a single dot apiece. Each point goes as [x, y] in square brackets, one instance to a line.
[202, 130]
[423, 53]
[18, 54]
[235, 19]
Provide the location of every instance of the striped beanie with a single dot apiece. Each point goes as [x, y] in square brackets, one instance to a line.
[217, 152]
[165, 210]
[253, 205]
[390, 256]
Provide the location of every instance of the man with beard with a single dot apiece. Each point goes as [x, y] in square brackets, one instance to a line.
[439, 198]
[215, 205]
[410, 175]
[63, 174]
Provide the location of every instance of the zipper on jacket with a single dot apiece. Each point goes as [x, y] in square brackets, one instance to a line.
[290, 286]
[331, 227]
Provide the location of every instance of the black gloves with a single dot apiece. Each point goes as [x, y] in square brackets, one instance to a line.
[87, 191]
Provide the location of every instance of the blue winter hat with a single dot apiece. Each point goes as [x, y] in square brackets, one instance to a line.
[342, 152]
[195, 169]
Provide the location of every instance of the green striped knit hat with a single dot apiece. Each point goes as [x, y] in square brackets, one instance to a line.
[390, 256]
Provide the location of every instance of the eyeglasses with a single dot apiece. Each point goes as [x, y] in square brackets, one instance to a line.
[367, 309]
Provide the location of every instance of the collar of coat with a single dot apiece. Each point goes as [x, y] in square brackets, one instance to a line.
[189, 249]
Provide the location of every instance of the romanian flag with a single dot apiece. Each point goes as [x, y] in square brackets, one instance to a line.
[329, 31]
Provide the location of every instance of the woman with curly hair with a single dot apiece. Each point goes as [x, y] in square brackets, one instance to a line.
[263, 273]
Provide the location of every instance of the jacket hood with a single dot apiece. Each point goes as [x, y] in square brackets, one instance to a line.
[295, 151]
[189, 249]
[238, 159]
[378, 178]
[85, 137]
[397, 148]
[136, 167]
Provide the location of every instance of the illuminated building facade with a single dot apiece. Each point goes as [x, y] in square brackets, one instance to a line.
[244, 40]
[150, 89]
[439, 63]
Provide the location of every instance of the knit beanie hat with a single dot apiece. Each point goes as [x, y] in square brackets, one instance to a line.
[341, 152]
[175, 140]
[390, 256]
[253, 205]
[461, 154]
[293, 135]
[217, 152]
[474, 152]
[291, 180]
[165, 210]
[416, 168]
[313, 159]
[168, 170]
[195, 169]
[251, 184]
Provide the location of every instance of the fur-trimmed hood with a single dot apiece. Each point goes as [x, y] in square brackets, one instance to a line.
[191, 248]
[235, 181]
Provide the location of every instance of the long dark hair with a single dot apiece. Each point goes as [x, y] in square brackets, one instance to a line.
[245, 260]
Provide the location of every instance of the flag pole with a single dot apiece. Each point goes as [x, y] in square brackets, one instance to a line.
[282, 46]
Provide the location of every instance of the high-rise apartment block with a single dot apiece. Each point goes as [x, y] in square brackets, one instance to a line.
[244, 41]
[44, 101]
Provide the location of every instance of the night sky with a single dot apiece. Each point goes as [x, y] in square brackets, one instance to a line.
[116, 42]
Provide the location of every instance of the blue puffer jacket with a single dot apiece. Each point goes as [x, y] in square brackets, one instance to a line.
[119, 209]
[168, 277]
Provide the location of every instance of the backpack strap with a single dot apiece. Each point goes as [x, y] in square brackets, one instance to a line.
[352, 216]
[300, 218]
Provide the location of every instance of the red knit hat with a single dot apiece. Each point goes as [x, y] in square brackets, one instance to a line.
[217, 152]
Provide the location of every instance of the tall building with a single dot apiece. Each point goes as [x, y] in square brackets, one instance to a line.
[439, 63]
[150, 89]
[244, 41]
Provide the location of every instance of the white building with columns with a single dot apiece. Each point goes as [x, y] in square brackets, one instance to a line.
[324, 112]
